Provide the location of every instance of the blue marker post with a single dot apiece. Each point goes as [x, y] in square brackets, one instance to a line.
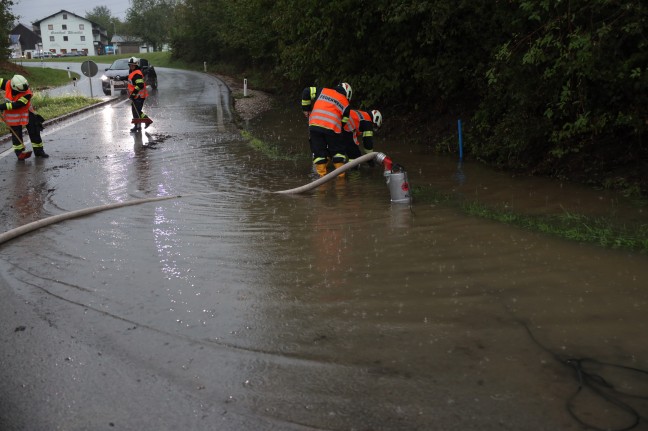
[460, 140]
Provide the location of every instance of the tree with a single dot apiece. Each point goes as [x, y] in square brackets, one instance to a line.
[151, 21]
[102, 16]
[6, 24]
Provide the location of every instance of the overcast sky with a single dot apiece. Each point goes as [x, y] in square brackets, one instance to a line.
[35, 10]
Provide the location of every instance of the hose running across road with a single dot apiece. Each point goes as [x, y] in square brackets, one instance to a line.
[38, 224]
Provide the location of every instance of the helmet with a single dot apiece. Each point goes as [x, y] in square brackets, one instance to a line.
[376, 117]
[133, 60]
[19, 83]
[346, 90]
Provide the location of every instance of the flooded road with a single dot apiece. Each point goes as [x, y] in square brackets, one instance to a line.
[236, 308]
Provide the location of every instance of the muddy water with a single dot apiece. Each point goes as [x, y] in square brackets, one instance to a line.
[334, 309]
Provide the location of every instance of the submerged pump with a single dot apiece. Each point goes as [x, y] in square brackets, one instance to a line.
[397, 182]
[394, 174]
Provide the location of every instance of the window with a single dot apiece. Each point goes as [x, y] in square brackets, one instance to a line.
[80, 26]
[51, 38]
[64, 27]
[65, 38]
[82, 38]
[64, 16]
[50, 26]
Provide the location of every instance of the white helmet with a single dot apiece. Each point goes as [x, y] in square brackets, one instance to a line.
[19, 83]
[376, 117]
[133, 60]
[346, 88]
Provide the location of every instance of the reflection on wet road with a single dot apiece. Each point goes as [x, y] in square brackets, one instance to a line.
[332, 310]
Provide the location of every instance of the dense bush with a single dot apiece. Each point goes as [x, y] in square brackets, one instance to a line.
[552, 87]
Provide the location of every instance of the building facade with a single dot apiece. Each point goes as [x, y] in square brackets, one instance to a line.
[27, 39]
[65, 32]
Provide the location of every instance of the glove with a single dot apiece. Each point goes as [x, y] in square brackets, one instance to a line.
[133, 96]
[39, 121]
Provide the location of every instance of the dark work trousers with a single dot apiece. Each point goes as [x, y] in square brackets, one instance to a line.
[325, 147]
[33, 129]
[137, 106]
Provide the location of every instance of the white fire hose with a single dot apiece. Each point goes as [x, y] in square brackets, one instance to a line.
[397, 182]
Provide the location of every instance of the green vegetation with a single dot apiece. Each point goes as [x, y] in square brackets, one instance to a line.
[545, 87]
[43, 78]
[272, 152]
[605, 232]
[40, 78]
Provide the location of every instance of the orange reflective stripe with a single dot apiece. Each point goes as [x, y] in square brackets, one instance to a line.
[143, 93]
[20, 116]
[328, 109]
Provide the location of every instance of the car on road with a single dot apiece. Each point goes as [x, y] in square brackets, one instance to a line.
[118, 73]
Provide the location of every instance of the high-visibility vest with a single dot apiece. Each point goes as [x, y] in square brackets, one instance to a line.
[20, 116]
[143, 93]
[353, 125]
[328, 110]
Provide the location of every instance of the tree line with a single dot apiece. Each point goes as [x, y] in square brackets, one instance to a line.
[551, 87]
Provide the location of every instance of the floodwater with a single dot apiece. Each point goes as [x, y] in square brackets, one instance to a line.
[330, 310]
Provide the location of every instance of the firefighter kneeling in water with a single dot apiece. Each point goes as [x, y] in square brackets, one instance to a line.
[17, 112]
[360, 127]
[327, 111]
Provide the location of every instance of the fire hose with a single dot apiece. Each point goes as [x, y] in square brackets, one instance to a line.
[399, 191]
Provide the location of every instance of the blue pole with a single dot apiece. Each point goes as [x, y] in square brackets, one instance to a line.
[460, 140]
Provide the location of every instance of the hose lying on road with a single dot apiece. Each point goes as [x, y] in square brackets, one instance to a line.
[30, 227]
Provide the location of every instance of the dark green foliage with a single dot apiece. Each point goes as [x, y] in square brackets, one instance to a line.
[568, 91]
[6, 24]
[551, 87]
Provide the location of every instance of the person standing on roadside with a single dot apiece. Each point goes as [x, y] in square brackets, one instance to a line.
[360, 127]
[17, 112]
[327, 111]
[137, 93]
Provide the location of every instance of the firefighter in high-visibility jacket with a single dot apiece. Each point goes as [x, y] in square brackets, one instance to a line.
[17, 112]
[137, 93]
[360, 130]
[327, 111]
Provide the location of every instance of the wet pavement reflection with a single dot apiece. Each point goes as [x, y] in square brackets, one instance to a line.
[331, 310]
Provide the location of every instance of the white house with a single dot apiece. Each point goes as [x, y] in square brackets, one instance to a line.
[66, 32]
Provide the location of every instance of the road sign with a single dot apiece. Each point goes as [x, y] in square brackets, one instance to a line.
[89, 68]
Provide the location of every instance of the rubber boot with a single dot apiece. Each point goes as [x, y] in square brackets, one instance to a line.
[339, 165]
[40, 152]
[320, 168]
[22, 155]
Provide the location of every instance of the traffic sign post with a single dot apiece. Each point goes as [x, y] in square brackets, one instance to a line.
[89, 68]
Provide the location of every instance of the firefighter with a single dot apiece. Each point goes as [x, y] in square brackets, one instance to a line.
[360, 127]
[327, 111]
[18, 112]
[137, 93]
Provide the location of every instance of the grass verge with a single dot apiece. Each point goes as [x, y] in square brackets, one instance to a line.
[43, 78]
[600, 231]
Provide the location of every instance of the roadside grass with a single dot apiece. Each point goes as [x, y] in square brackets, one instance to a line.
[601, 231]
[272, 152]
[43, 78]
[604, 232]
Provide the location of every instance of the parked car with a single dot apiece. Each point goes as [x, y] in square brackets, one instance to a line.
[45, 54]
[74, 54]
[118, 73]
